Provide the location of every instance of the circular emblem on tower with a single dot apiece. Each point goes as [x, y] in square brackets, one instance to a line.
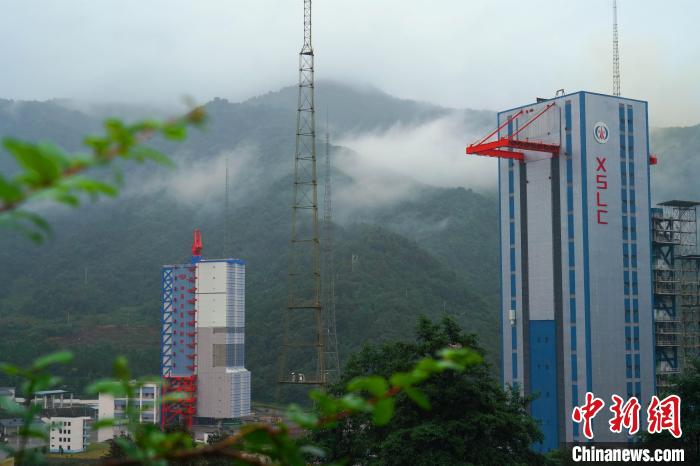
[601, 132]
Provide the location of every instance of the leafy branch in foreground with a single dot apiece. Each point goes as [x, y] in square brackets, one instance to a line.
[35, 378]
[49, 173]
[261, 444]
[254, 444]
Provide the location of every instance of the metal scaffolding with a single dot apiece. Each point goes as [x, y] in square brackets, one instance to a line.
[676, 268]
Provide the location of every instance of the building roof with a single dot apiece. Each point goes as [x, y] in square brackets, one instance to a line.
[69, 411]
[51, 392]
[679, 203]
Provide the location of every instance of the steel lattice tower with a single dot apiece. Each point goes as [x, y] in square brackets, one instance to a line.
[302, 356]
[616, 54]
[331, 353]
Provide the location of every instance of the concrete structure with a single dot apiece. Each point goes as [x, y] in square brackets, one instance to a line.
[108, 407]
[69, 434]
[203, 339]
[223, 390]
[575, 256]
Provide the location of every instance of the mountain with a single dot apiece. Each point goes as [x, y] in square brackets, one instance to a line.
[94, 286]
[678, 150]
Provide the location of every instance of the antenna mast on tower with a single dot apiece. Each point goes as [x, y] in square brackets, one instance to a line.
[616, 54]
[303, 349]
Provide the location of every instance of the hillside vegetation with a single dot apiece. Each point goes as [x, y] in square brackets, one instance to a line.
[94, 286]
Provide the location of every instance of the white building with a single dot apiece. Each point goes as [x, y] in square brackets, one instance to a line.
[69, 434]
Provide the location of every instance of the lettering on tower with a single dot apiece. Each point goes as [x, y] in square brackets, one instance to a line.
[601, 185]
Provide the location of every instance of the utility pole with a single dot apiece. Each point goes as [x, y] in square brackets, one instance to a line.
[616, 53]
[301, 359]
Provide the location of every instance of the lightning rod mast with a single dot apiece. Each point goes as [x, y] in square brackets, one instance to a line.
[616, 54]
[301, 360]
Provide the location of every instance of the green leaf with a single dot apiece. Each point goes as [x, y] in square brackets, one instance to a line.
[376, 385]
[403, 379]
[418, 397]
[383, 411]
[145, 126]
[121, 369]
[99, 145]
[28, 224]
[9, 369]
[10, 191]
[428, 365]
[355, 403]
[463, 356]
[33, 431]
[174, 396]
[59, 357]
[108, 386]
[325, 403]
[42, 163]
[302, 418]
[142, 153]
[174, 131]
[104, 423]
[10, 406]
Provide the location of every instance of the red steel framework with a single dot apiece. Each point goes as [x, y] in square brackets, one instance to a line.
[503, 147]
[183, 409]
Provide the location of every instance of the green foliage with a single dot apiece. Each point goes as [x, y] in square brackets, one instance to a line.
[436, 254]
[36, 377]
[687, 386]
[146, 444]
[447, 410]
[48, 173]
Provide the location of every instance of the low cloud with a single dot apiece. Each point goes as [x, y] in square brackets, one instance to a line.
[198, 182]
[431, 154]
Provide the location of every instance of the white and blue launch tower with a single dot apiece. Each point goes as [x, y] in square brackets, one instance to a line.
[576, 294]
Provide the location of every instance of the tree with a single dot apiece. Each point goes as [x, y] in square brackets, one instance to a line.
[472, 419]
[115, 451]
[687, 386]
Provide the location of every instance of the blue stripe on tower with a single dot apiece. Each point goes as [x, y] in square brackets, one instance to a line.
[584, 200]
[500, 262]
[572, 256]
[651, 293]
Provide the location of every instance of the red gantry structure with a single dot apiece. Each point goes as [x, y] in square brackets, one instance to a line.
[518, 140]
[179, 339]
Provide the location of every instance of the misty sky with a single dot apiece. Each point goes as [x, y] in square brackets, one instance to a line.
[489, 54]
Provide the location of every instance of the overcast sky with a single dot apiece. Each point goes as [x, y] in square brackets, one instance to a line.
[490, 54]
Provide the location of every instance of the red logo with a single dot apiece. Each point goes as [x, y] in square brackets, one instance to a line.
[601, 132]
[625, 415]
[661, 415]
[601, 184]
[587, 412]
[665, 415]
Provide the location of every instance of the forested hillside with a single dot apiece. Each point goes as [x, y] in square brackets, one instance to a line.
[94, 286]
